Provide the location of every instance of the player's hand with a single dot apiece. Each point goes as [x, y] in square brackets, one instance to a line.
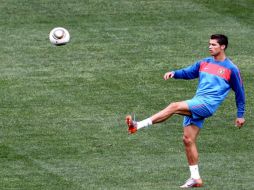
[169, 75]
[239, 122]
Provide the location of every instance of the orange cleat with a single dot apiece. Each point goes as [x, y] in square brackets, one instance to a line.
[132, 125]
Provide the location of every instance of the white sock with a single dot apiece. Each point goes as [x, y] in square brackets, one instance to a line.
[194, 172]
[144, 123]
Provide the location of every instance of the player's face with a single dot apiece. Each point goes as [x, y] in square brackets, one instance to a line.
[215, 48]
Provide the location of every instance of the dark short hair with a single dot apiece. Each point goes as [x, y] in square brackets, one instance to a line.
[221, 39]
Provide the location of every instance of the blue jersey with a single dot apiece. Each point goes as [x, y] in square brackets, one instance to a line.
[216, 78]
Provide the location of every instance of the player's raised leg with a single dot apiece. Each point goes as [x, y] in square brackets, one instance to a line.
[173, 108]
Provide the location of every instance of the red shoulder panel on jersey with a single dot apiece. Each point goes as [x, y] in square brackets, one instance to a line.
[215, 69]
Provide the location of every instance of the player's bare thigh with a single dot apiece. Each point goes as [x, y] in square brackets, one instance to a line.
[182, 108]
[173, 108]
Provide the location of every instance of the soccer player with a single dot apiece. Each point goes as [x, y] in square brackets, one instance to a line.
[217, 75]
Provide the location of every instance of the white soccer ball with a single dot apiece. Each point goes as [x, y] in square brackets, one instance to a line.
[59, 36]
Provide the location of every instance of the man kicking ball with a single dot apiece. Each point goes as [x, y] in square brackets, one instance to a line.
[217, 75]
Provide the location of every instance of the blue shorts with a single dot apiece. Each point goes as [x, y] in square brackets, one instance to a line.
[199, 110]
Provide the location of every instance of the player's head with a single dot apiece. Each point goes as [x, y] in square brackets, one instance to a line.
[221, 39]
[218, 44]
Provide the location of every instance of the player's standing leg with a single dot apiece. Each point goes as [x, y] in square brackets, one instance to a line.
[189, 139]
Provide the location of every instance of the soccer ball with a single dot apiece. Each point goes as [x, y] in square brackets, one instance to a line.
[59, 36]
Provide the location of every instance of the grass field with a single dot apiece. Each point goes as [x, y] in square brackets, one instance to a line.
[62, 108]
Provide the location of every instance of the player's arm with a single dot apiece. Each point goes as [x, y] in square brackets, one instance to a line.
[237, 85]
[190, 72]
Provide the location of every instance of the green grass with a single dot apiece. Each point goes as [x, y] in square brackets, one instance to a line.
[63, 108]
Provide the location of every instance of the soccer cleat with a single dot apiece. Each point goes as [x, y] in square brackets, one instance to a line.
[132, 125]
[190, 183]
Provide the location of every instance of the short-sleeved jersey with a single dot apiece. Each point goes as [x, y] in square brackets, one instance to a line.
[216, 78]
